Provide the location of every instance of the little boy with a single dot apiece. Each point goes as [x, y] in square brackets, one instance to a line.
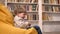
[20, 20]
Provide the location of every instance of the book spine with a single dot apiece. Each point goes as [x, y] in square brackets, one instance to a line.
[44, 16]
[36, 7]
[55, 9]
[50, 17]
[13, 0]
[9, 0]
[59, 1]
[43, 8]
[27, 1]
[28, 17]
[32, 1]
[30, 7]
[49, 1]
[27, 7]
[42, 1]
[52, 1]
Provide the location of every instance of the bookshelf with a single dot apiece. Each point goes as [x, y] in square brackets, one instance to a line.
[50, 7]
[50, 15]
[41, 11]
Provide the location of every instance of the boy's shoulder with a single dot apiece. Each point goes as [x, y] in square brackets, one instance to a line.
[16, 17]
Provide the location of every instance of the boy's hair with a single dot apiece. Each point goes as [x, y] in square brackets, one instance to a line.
[19, 10]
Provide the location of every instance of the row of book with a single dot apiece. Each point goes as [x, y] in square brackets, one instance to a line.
[51, 1]
[25, 7]
[51, 8]
[50, 17]
[46, 16]
[32, 17]
[30, 1]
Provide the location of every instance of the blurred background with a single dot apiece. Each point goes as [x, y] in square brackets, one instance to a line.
[50, 13]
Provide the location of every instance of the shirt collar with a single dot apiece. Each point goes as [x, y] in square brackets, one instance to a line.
[21, 18]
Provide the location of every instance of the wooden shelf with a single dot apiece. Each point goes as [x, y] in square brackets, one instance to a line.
[32, 11]
[51, 4]
[21, 3]
[50, 21]
[33, 21]
[46, 22]
[50, 12]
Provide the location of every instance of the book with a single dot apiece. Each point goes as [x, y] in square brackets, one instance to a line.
[52, 1]
[11, 7]
[47, 8]
[20, 7]
[27, 7]
[28, 17]
[50, 17]
[43, 8]
[27, 1]
[51, 9]
[32, 1]
[45, 16]
[37, 16]
[9, 0]
[56, 1]
[42, 1]
[34, 7]
[59, 9]
[30, 8]
[34, 17]
[59, 1]
[20, 1]
[35, 1]
[49, 2]
[37, 7]
[55, 9]
[46, 1]
[13, 0]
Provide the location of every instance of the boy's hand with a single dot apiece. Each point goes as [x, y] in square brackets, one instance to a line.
[28, 24]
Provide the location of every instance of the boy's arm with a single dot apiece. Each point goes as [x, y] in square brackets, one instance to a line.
[28, 24]
[18, 23]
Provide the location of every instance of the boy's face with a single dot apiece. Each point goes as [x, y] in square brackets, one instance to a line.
[22, 15]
